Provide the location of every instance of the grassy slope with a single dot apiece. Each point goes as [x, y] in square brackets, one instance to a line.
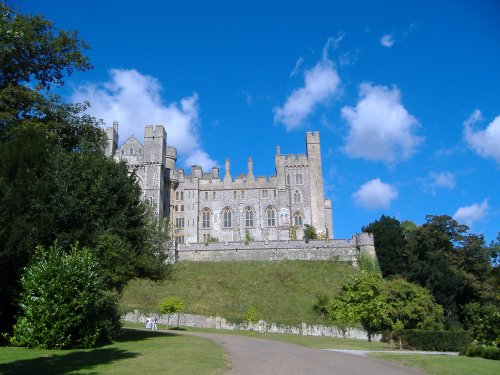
[136, 352]
[282, 291]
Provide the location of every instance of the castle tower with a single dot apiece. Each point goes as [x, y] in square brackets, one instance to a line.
[316, 182]
[279, 163]
[155, 146]
[171, 183]
[112, 140]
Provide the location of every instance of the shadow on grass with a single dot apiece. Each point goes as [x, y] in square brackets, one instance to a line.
[137, 334]
[69, 363]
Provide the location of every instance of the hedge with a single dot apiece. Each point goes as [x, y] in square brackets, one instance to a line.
[446, 341]
[483, 351]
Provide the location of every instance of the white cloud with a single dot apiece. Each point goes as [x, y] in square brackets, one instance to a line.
[134, 100]
[381, 128]
[484, 142]
[387, 40]
[445, 180]
[321, 83]
[297, 66]
[470, 214]
[375, 195]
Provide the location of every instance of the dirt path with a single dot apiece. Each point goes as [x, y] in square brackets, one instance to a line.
[253, 356]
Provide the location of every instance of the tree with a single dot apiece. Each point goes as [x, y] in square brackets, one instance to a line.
[411, 305]
[64, 302]
[360, 300]
[390, 245]
[56, 185]
[309, 233]
[171, 305]
[252, 317]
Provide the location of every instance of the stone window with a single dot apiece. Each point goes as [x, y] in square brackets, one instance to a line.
[249, 215]
[235, 194]
[296, 197]
[298, 179]
[176, 208]
[179, 222]
[182, 208]
[205, 218]
[182, 195]
[179, 239]
[131, 151]
[227, 217]
[243, 193]
[288, 179]
[264, 193]
[297, 219]
[271, 217]
[177, 195]
[206, 195]
[213, 195]
[274, 193]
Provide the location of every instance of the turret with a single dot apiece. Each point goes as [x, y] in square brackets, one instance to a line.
[316, 181]
[227, 175]
[112, 140]
[250, 176]
[279, 162]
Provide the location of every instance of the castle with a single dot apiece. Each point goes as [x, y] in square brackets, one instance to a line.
[205, 206]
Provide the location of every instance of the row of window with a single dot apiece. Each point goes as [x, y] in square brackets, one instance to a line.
[297, 197]
[249, 215]
[179, 195]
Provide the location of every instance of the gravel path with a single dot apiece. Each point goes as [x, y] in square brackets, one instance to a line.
[254, 356]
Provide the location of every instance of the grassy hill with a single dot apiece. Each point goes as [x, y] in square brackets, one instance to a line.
[283, 292]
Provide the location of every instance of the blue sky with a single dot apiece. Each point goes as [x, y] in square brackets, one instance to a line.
[405, 95]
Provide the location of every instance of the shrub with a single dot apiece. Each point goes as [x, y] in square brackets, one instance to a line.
[309, 233]
[64, 302]
[252, 316]
[483, 351]
[171, 305]
[417, 339]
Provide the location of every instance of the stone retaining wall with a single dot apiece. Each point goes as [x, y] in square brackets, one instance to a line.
[216, 322]
[344, 250]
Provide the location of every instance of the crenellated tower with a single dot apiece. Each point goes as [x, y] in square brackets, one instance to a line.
[316, 182]
[155, 147]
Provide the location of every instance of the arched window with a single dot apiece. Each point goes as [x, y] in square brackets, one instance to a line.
[288, 179]
[182, 195]
[131, 151]
[205, 218]
[296, 197]
[206, 195]
[271, 217]
[249, 215]
[227, 216]
[176, 208]
[298, 179]
[177, 195]
[182, 207]
[298, 220]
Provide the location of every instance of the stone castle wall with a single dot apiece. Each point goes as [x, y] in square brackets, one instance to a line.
[344, 250]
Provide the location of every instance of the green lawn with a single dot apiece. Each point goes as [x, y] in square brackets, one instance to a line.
[135, 352]
[444, 365]
[284, 292]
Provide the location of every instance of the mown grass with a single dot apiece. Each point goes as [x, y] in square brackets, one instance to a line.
[444, 365]
[284, 292]
[135, 352]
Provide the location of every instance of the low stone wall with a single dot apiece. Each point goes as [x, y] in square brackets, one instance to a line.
[344, 250]
[216, 322]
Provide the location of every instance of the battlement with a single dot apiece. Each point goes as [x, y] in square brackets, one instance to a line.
[312, 137]
[151, 131]
[295, 160]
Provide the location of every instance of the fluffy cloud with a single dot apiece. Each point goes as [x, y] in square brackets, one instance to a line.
[470, 214]
[484, 142]
[445, 180]
[321, 83]
[375, 195]
[134, 100]
[387, 40]
[380, 128]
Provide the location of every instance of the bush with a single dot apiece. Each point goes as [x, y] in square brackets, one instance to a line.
[171, 305]
[483, 351]
[64, 302]
[417, 339]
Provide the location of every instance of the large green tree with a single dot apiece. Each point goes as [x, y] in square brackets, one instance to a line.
[56, 185]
